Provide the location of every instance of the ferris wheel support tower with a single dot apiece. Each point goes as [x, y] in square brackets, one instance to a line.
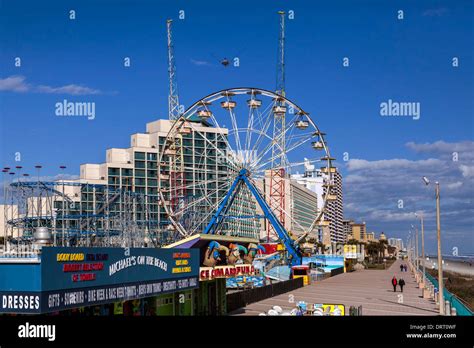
[277, 173]
[177, 191]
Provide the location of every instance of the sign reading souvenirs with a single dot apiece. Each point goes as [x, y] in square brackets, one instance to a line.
[77, 277]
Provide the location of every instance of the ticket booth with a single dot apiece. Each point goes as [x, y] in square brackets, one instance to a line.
[301, 271]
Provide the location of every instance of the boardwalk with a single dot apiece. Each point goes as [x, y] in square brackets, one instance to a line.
[370, 289]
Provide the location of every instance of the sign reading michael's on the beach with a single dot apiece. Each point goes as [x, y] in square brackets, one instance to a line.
[84, 267]
[77, 277]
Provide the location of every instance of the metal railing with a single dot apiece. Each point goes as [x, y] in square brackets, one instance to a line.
[20, 251]
[455, 302]
[242, 298]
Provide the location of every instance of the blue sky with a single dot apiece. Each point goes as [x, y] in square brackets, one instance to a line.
[407, 60]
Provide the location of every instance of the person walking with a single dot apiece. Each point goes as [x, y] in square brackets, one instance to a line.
[394, 283]
[401, 267]
[405, 267]
[401, 282]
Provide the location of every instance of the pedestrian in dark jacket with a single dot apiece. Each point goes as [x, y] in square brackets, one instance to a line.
[401, 268]
[394, 283]
[401, 282]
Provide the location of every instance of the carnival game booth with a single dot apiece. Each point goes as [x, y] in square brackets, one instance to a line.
[79, 278]
[226, 262]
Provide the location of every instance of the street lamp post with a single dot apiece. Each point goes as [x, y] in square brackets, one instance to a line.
[5, 208]
[422, 246]
[417, 261]
[63, 201]
[440, 259]
[410, 247]
[417, 250]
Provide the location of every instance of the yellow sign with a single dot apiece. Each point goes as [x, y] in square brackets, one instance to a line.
[330, 309]
[350, 251]
[64, 257]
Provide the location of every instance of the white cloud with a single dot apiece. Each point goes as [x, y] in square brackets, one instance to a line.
[435, 12]
[14, 84]
[18, 84]
[397, 163]
[386, 192]
[386, 215]
[69, 89]
[467, 171]
[200, 62]
[442, 147]
[354, 179]
[454, 185]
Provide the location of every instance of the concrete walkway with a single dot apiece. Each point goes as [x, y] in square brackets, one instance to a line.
[370, 289]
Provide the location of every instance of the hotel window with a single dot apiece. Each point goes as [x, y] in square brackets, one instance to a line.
[139, 164]
[139, 155]
[114, 171]
[127, 172]
[139, 173]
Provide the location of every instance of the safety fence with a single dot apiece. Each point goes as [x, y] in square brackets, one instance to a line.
[317, 277]
[240, 299]
[455, 302]
[337, 271]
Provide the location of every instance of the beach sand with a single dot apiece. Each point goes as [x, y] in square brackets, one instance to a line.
[462, 267]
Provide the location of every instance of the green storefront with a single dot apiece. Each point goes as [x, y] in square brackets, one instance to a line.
[208, 299]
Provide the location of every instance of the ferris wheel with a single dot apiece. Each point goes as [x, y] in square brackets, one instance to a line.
[249, 133]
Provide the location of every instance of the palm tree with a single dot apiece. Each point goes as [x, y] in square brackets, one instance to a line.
[319, 246]
[372, 249]
[382, 245]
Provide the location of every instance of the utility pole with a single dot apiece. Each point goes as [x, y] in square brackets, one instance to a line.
[173, 101]
[63, 227]
[440, 259]
[417, 260]
[422, 245]
[423, 249]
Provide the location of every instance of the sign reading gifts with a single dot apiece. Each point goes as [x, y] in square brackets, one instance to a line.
[209, 273]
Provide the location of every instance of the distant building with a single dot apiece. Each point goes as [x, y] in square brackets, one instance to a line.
[358, 231]
[396, 242]
[137, 169]
[318, 182]
[300, 208]
[347, 228]
[370, 237]
[8, 212]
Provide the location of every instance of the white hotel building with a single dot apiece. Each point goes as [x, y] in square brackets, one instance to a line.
[314, 180]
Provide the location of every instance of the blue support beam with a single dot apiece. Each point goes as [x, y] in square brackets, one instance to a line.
[219, 216]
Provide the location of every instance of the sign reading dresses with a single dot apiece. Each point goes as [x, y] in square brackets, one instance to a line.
[76, 277]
